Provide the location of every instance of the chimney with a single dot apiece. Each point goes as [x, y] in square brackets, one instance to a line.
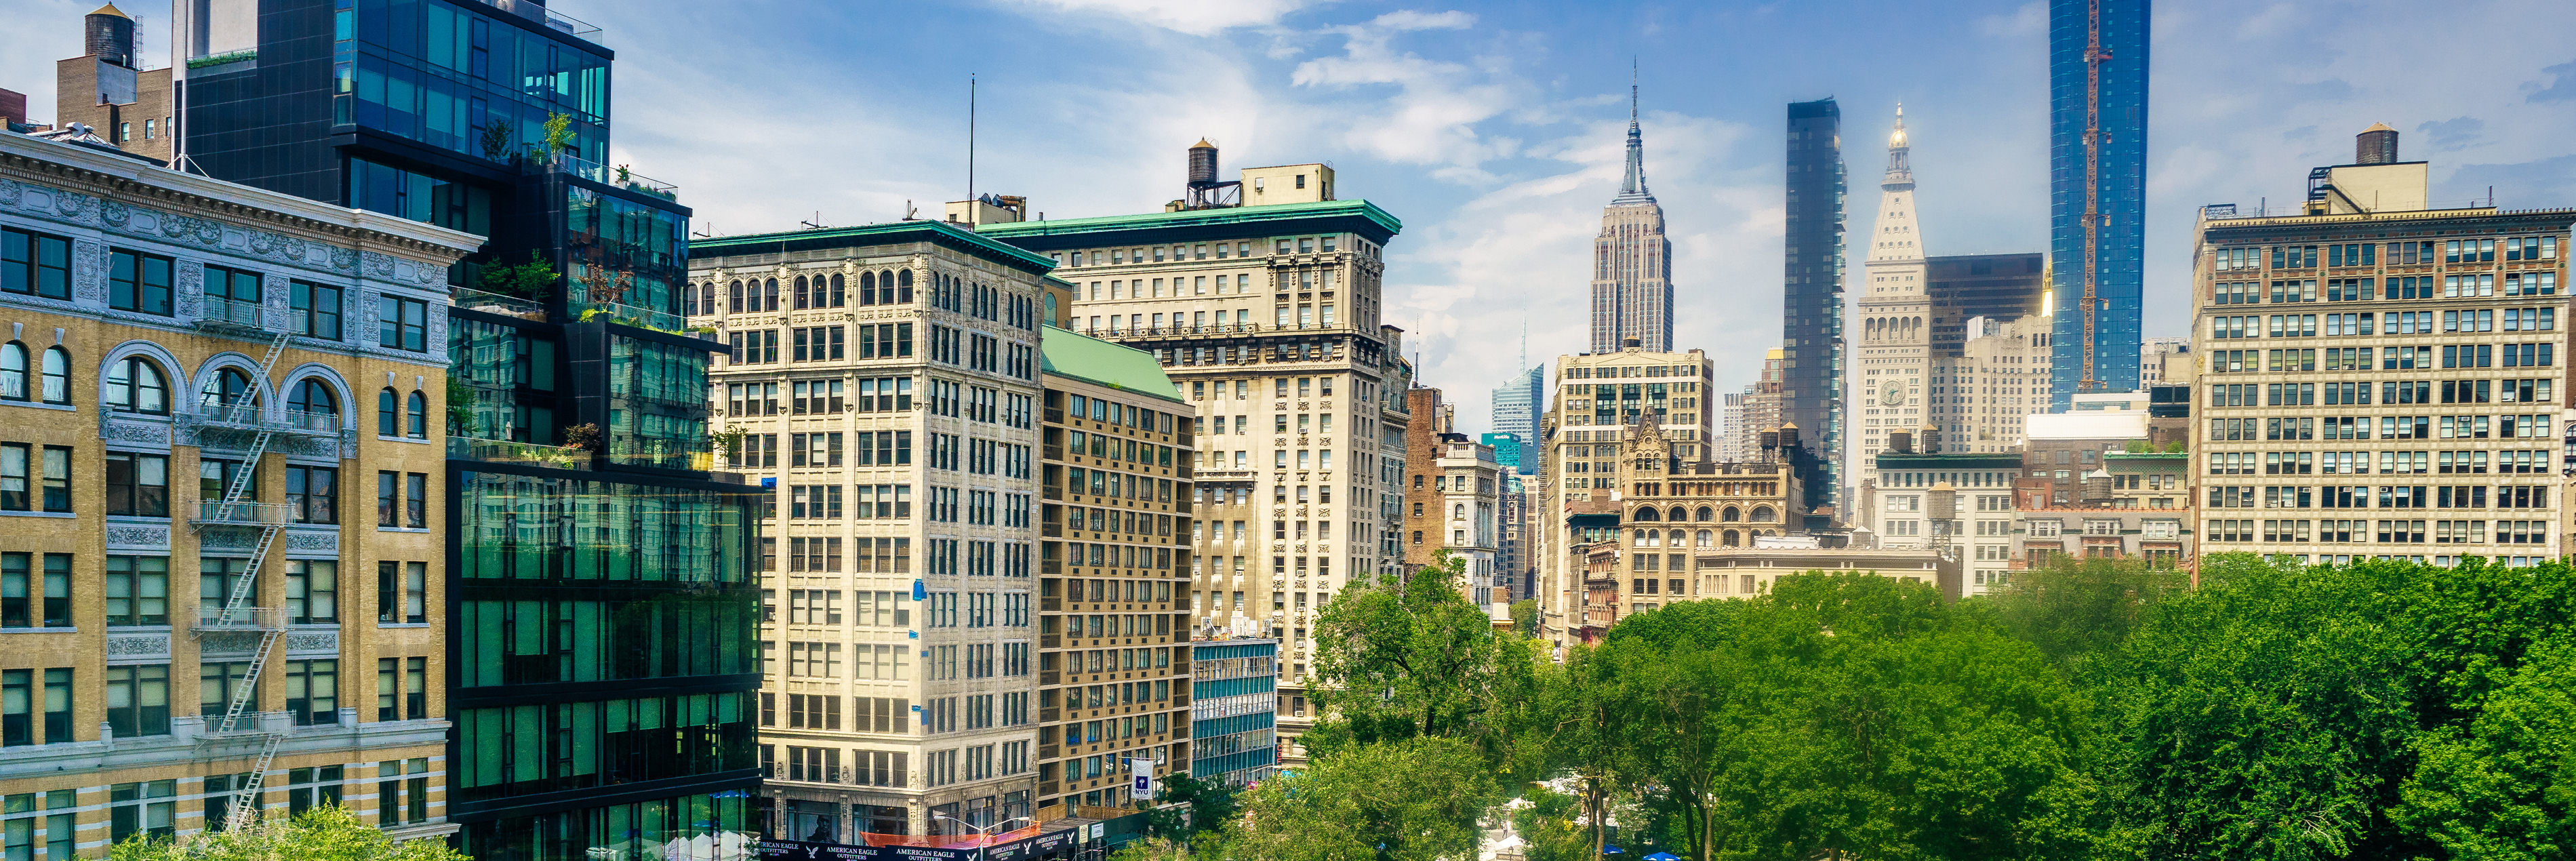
[109, 35]
[1900, 442]
[2375, 145]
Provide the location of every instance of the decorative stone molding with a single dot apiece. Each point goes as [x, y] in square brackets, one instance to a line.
[227, 539]
[126, 428]
[138, 645]
[228, 643]
[302, 642]
[133, 536]
[313, 541]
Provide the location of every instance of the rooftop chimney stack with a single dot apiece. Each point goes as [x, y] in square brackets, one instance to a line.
[2375, 145]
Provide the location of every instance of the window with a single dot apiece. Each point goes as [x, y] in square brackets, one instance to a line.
[401, 798]
[13, 371]
[138, 590]
[313, 493]
[148, 809]
[21, 703]
[308, 788]
[231, 388]
[138, 700]
[388, 414]
[313, 692]
[402, 500]
[136, 385]
[316, 310]
[402, 593]
[232, 295]
[402, 688]
[312, 592]
[35, 263]
[402, 324]
[416, 415]
[138, 282]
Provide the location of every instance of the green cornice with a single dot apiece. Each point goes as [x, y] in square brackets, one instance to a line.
[1353, 216]
[1893, 460]
[940, 233]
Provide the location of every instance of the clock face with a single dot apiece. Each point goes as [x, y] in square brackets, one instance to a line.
[1895, 394]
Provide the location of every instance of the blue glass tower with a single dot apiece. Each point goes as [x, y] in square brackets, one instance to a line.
[2097, 167]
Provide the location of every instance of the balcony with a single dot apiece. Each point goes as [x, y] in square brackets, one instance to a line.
[616, 177]
[494, 303]
[232, 316]
[252, 619]
[248, 417]
[587, 309]
[249, 725]
[505, 451]
[538, 12]
[255, 514]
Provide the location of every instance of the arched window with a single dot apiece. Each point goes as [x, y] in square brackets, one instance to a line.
[903, 287]
[230, 388]
[1677, 537]
[1678, 514]
[388, 414]
[417, 415]
[800, 293]
[135, 385]
[839, 298]
[1705, 514]
[1763, 515]
[13, 371]
[1458, 512]
[1648, 515]
[58, 375]
[1704, 538]
[867, 288]
[1731, 514]
[1729, 538]
[314, 401]
[769, 295]
[733, 296]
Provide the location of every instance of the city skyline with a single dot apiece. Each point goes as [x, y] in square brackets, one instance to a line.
[1499, 161]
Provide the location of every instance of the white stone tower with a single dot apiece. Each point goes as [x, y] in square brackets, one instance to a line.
[1895, 356]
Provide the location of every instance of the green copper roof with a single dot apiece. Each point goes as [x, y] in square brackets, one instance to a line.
[1357, 216]
[941, 233]
[1082, 357]
[1961, 460]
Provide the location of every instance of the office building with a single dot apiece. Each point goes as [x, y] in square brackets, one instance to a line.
[1452, 493]
[1814, 362]
[1116, 593]
[1958, 505]
[2382, 378]
[107, 88]
[2154, 354]
[1984, 397]
[163, 324]
[577, 397]
[1265, 315]
[1516, 412]
[1512, 570]
[882, 392]
[1670, 512]
[1600, 400]
[1234, 703]
[2097, 187]
[1997, 286]
[1632, 262]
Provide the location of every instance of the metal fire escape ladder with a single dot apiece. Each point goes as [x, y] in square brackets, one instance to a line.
[2094, 57]
[240, 416]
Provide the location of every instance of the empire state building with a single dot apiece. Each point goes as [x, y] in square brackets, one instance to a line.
[1632, 262]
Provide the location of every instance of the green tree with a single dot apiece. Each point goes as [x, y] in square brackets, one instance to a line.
[1413, 799]
[1525, 617]
[2504, 787]
[1409, 656]
[534, 280]
[2079, 611]
[1551, 826]
[559, 133]
[1202, 806]
[322, 834]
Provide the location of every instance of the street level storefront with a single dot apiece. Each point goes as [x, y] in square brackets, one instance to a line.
[1058, 840]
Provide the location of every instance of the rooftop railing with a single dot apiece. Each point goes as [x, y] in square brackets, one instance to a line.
[538, 12]
[619, 177]
[495, 303]
[505, 451]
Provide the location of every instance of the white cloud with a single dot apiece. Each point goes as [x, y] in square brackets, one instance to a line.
[1431, 117]
[1194, 17]
[2029, 20]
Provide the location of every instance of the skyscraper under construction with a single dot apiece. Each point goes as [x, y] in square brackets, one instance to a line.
[2097, 169]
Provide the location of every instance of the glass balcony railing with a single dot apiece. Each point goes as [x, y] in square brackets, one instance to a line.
[588, 309]
[617, 177]
[495, 303]
[505, 451]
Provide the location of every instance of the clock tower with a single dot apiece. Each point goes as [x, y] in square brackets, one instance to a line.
[1894, 357]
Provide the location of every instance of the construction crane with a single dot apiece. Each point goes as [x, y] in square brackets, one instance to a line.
[2094, 56]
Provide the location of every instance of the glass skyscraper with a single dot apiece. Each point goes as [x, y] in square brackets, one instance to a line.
[602, 669]
[1811, 335]
[2097, 85]
[1516, 406]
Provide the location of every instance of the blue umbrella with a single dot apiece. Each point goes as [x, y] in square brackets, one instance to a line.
[1663, 856]
[1612, 850]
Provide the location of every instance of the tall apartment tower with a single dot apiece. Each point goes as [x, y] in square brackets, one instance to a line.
[1601, 400]
[198, 401]
[1897, 317]
[2410, 377]
[1632, 262]
[883, 395]
[1266, 316]
[1811, 331]
[2097, 169]
[581, 407]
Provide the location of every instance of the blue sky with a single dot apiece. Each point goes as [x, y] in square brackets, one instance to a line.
[1494, 129]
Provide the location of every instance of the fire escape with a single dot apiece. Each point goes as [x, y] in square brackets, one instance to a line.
[242, 425]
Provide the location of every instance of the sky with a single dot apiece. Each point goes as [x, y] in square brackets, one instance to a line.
[1494, 130]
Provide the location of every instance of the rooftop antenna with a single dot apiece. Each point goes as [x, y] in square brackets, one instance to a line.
[970, 143]
[909, 210]
[818, 216]
[707, 229]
